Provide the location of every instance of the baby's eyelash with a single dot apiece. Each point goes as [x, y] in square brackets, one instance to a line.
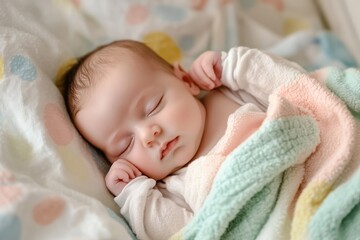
[128, 146]
[156, 106]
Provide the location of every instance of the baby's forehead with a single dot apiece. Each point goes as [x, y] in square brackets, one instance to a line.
[100, 62]
[114, 56]
[123, 62]
[108, 55]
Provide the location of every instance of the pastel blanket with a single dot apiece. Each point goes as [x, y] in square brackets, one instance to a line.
[297, 176]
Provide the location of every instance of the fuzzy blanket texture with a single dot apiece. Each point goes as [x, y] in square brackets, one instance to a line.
[297, 176]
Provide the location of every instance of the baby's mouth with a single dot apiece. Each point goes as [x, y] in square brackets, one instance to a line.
[167, 147]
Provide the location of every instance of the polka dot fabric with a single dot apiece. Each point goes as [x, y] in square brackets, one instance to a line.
[51, 181]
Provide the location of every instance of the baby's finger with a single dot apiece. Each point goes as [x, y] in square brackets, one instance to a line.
[135, 172]
[218, 68]
[206, 83]
[125, 178]
[217, 82]
[113, 177]
[131, 175]
[124, 166]
[194, 75]
[209, 70]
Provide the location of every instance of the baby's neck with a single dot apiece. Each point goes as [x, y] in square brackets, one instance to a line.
[218, 108]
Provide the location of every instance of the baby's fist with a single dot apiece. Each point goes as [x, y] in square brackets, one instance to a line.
[206, 70]
[120, 174]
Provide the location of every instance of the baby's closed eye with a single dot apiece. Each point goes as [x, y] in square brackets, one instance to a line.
[126, 144]
[153, 105]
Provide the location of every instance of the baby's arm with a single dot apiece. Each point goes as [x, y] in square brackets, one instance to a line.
[152, 214]
[245, 71]
[120, 174]
[256, 73]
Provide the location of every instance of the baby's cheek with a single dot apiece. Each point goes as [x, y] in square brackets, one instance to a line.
[181, 114]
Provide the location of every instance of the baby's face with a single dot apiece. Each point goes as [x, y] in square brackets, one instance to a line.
[145, 116]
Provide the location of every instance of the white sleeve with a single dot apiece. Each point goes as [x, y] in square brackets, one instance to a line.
[253, 72]
[150, 214]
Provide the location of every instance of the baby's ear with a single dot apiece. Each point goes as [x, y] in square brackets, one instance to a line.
[181, 74]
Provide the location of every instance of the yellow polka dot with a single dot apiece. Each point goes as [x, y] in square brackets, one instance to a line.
[163, 45]
[64, 68]
[74, 163]
[20, 147]
[292, 25]
[1, 68]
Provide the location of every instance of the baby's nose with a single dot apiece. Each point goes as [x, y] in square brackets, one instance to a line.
[150, 135]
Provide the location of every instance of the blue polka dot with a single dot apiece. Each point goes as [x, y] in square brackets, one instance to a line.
[247, 3]
[186, 42]
[23, 67]
[170, 13]
[10, 228]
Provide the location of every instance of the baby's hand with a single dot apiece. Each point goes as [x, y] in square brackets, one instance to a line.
[120, 174]
[206, 70]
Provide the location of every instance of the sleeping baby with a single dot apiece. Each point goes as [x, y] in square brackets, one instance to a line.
[147, 118]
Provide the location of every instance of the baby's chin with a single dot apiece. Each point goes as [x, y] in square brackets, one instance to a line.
[164, 175]
[180, 167]
[158, 177]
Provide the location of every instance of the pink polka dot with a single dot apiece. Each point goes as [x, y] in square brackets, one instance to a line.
[6, 177]
[277, 4]
[224, 2]
[136, 14]
[57, 124]
[48, 210]
[8, 195]
[76, 3]
[199, 4]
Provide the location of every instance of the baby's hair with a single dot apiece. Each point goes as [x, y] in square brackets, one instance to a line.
[83, 72]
